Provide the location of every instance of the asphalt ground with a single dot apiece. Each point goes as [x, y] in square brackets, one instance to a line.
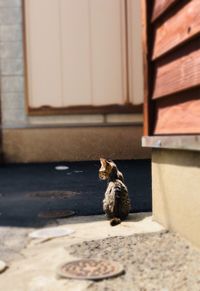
[29, 189]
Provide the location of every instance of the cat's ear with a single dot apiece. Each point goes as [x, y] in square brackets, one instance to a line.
[103, 162]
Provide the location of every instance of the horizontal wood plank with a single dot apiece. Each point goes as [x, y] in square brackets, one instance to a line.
[106, 109]
[178, 71]
[178, 115]
[177, 28]
[160, 6]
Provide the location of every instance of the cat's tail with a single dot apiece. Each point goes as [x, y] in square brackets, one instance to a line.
[115, 221]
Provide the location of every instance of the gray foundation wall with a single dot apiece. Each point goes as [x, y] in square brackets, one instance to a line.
[72, 144]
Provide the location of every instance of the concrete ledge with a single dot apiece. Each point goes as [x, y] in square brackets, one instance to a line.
[187, 142]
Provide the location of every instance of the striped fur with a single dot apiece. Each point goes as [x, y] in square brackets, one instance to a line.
[116, 203]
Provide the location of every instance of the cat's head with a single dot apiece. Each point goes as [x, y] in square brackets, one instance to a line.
[107, 167]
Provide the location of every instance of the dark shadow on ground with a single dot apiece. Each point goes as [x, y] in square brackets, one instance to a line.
[18, 183]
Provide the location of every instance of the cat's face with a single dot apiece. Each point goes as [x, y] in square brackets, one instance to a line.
[105, 169]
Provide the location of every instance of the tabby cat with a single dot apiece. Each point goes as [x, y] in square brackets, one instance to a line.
[116, 203]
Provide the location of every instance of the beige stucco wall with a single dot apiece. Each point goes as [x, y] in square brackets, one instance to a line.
[73, 143]
[176, 191]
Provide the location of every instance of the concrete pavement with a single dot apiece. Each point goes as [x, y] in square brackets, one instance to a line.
[35, 266]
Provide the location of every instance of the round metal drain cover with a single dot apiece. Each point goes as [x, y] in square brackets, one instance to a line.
[90, 269]
[56, 214]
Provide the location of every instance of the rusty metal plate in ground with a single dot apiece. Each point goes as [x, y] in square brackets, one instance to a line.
[90, 269]
[52, 194]
[56, 214]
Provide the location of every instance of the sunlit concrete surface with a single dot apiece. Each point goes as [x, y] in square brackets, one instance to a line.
[35, 267]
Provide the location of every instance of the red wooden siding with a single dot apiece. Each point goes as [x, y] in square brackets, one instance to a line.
[173, 59]
[183, 112]
[160, 6]
[177, 29]
[178, 71]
